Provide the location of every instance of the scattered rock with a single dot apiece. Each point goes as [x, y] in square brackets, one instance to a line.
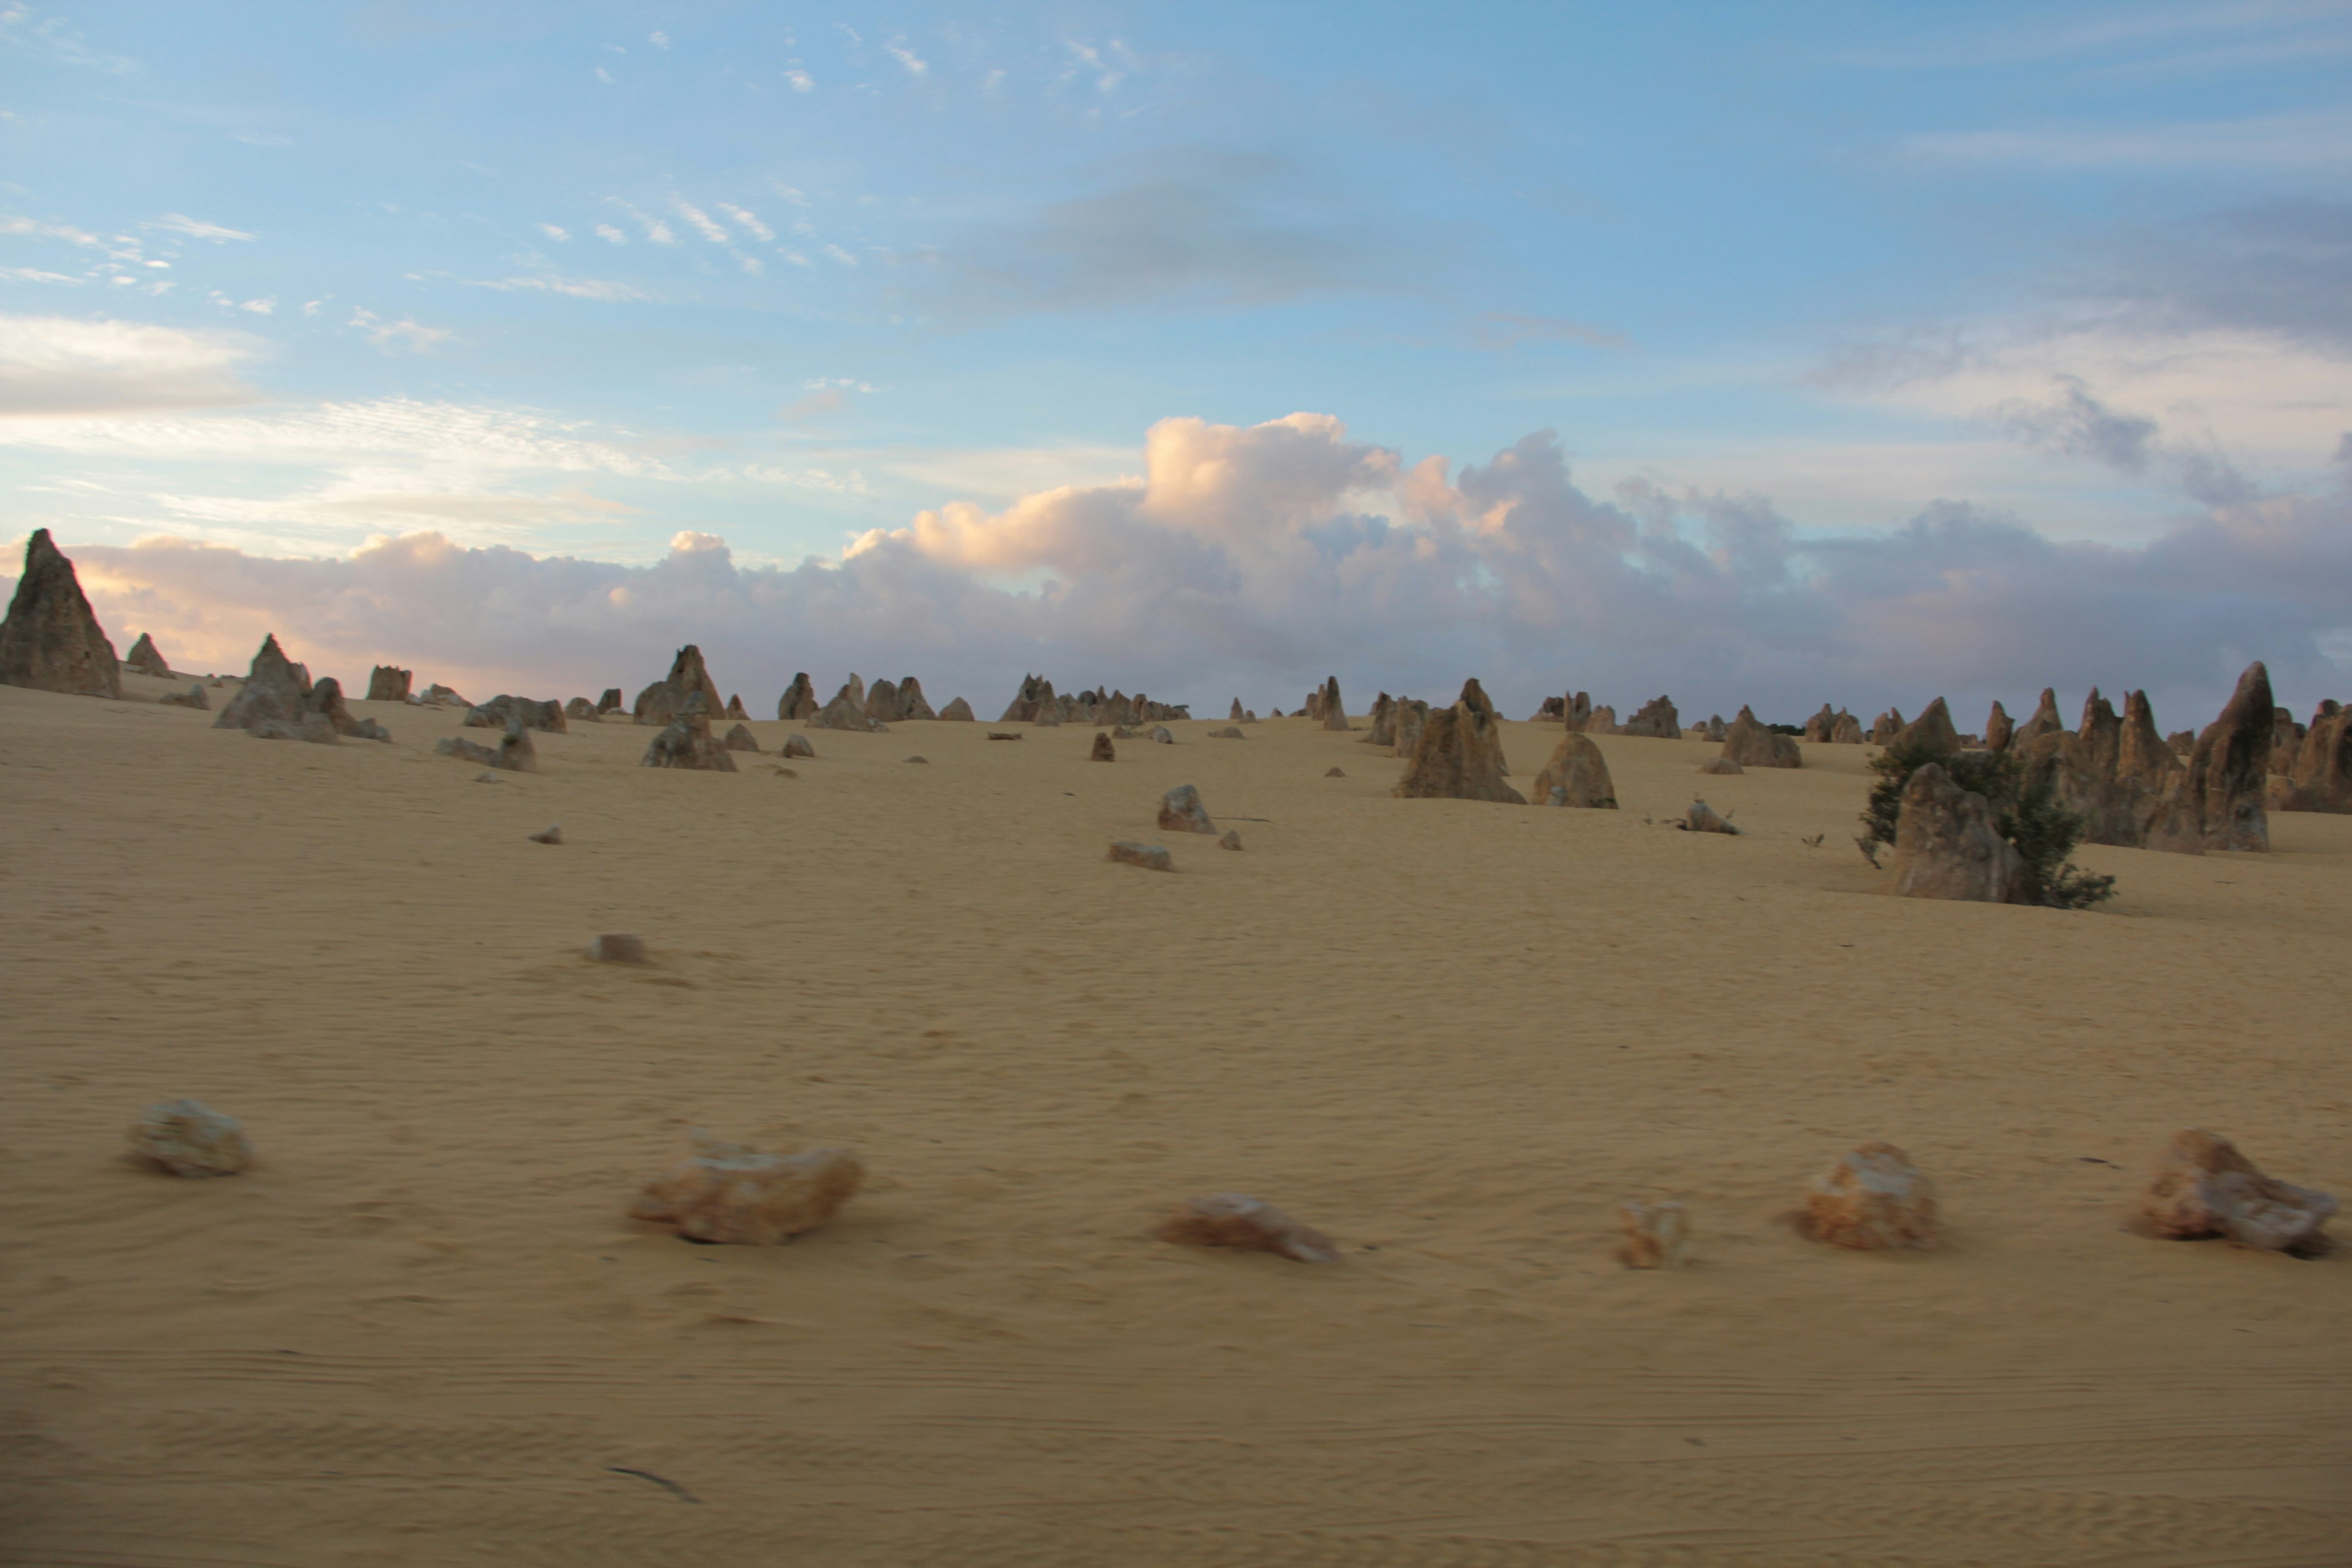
[1103, 752]
[1576, 775]
[1161, 735]
[796, 746]
[1657, 1236]
[530, 713]
[1150, 857]
[551, 834]
[1229, 732]
[1003, 734]
[740, 739]
[1751, 745]
[1720, 765]
[1335, 773]
[326, 701]
[144, 658]
[1232, 840]
[1947, 845]
[611, 702]
[618, 947]
[1232, 1219]
[1460, 754]
[1874, 1199]
[440, 696]
[1701, 818]
[1933, 732]
[687, 742]
[925, 760]
[274, 688]
[51, 640]
[194, 697]
[188, 1138]
[514, 754]
[734, 1193]
[662, 701]
[2203, 1187]
[957, 711]
[389, 683]
[1657, 720]
[1181, 811]
[847, 711]
[785, 773]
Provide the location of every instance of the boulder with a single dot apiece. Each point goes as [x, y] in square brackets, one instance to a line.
[2322, 777]
[1600, 722]
[1232, 840]
[1874, 1199]
[1998, 731]
[1751, 745]
[1576, 775]
[1885, 726]
[617, 947]
[2286, 740]
[735, 708]
[1460, 754]
[581, 710]
[502, 711]
[2218, 800]
[1848, 730]
[799, 700]
[662, 701]
[1103, 752]
[740, 739]
[2203, 1187]
[514, 752]
[314, 728]
[1410, 718]
[611, 702]
[326, 700]
[882, 702]
[734, 1193]
[687, 742]
[847, 711]
[1382, 732]
[1821, 726]
[1335, 773]
[440, 695]
[194, 697]
[1550, 711]
[389, 683]
[1702, 817]
[1150, 857]
[1161, 735]
[796, 746]
[1232, 1219]
[957, 711]
[551, 834]
[1657, 1236]
[189, 1138]
[1335, 712]
[1932, 734]
[1035, 691]
[2045, 721]
[1181, 811]
[1656, 720]
[1228, 733]
[274, 688]
[913, 706]
[51, 641]
[1720, 765]
[144, 659]
[1945, 845]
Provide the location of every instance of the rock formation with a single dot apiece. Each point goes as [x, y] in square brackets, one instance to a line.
[1228, 733]
[1601, 720]
[847, 711]
[1335, 773]
[1656, 720]
[326, 700]
[1657, 1236]
[2220, 797]
[1550, 711]
[1049, 715]
[957, 711]
[796, 746]
[1103, 752]
[1932, 734]
[1998, 731]
[581, 710]
[1848, 732]
[611, 702]
[514, 752]
[1232, 1219]
[2203, 1187]
[735, 708]
[662, 701]
[913, 706]
[1873, 1199]
[274, 688]
[1335, 712]
[1821, 726]
[389, 683]
[1702, 817]
[1232, 840]
[551, 834]
[1235, 716]
[734, 1193]
[194, 697]
[2321, 778]
[1383, 722]
[1181, 811]
[312, 727]
[1460, 754]
[799, 700]
[1161, 735]
[1410, 718]
[1945, 845]
[1720, 765]
[2045, 721]
[1751, 745]
[1576, 775]
[1150, 857]
[144, 658]
[882, 702]
[1035, 692]
[2115, 774]
[1885, 726]
[740, 739]
[687, 742]
[502, 711]
[188, 1138]
[440, 695]
[51, 641]
[2286, 740]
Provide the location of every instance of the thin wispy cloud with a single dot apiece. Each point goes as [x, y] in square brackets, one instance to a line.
[749, 221]
[2318, 141]
[25, 31]
[553, 232]
[914, 66]
[596, 288]
[702, 221]
[402, 336]
[196, 229]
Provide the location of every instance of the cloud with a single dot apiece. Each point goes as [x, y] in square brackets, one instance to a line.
[195, 228]
[572, 288]
[2079, 425]
[800, 78]
[606, 232]
[2316, 139]
[59, 366]
[701, 220]
[1251, 561]
[24, 30]
[749, 220]
[655, 229]
[830, 400]
[35, 228]
[553, 232]
[916, 68]
[392, 337]
[1499, 331]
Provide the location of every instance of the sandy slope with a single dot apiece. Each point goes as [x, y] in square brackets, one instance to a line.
[1453, 1034]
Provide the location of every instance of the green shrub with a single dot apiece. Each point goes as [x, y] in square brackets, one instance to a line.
[2025, 811]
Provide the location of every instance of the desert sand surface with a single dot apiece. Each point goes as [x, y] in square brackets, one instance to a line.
[1454, 1036]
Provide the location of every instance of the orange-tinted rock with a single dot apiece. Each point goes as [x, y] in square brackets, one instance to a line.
[1460, 755]
[1181, 811]
[1656, 720]
[1576, 775]
[799, 700]
[2203, 1187]
[740, 739]
[957, 711]
[663, 700]
[2220, 795]
[1234, 1220]
[687, 742]
[145, 658]
[1871, 1200]
[274, 688]
[1657, 1236]
[734, 1193]
[1932, 734]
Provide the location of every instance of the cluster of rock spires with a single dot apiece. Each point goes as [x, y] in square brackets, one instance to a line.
[278, 702]
[1036, 703]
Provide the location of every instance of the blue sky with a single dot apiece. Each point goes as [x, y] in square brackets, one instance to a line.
[610, 281]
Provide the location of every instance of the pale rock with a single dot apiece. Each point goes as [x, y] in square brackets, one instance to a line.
[1577, 776]
[1234, 1220]
[1181, 811]
[50, 639]
[734, 1193]
[740, 739]
[1657, 1236]
[1701, 818]
[194, 697]
[618, 947]
[1874, 1199]
[2203, 1187]
[188, 1138]
[1150, 857]
[1948, 846]
[1102, 750]
[1232, 840]
[797, 746]
[1750, 744]
[145, 658]
[957, 711]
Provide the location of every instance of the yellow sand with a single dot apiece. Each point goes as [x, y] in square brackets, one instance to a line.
[1453, 1035]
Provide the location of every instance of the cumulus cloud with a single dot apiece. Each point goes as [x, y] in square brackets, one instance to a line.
[1251, 561]
[59, 365]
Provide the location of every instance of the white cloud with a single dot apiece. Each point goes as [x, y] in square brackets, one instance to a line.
[658, 39]
[915, 67]
[554, 233]
[748, 220]
[603, 76]
[59, 366]
[702, 221]
[658, 232]
[606, 232]
[800, 80]
[35, 275]
[24, 30]
[259, 307]
[2319, 139]
[572, 288]
[35, 229]
[392, 337]
[841, 256]
[195, 228]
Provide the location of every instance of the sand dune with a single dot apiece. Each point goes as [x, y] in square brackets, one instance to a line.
[1453, 1035]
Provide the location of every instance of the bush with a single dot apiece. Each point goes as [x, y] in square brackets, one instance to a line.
[2025, 811]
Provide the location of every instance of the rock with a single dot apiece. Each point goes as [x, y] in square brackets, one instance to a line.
[1335, 712]
[194, 697]
[662, 701]
[485, 778]
[1049, 715]
[144, 658]
[1004, 735]
[785, 773]
[2322, 779]
[687, 742]
[1150, 857]
[1657, 1236]
[1576, 775]
[923, 759]
[1848, 732]
[440, 695]
[611, 702]
[1601, 720]
[882, 702]
[740, 739]
[314, 728]
[1103, 750]
[1161, 735]
[1720, 765]
[913, 706]
[274, 688]
[2220, 797]
[51, 641]
[1550, 711]
[1232, 1219]
[1874, 1199]
[2045, 721]
[1945, 845]
[1181, 811]
[1998, 731]
[1460, 755]
[2286, 740]
[514, 752]
[1656, 720]
[797, 746]
[1236, 714]
[1751, 745]
[1714, 729]
[1701, 818]
[1885, 726]
[1576, 711]
[2115, 773]
[389, 683]
[799, 700]
[188, 1138]
[1229, 732]
[1383, 722]
[326, 700]
[847, 711]
[2182, 743]
[1334, 773]
[1932, 734]
[618, 947]
[1232, 840]
[582, 710]
[2203, 1187]
[1410, 721]
[957, 711]
[1821, 726]
[551, 834]
[734, 1193]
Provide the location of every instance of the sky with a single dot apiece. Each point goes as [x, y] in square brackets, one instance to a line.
[1773, 355]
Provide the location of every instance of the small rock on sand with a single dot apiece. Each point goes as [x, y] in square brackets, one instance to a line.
[740, 739]
[1720, 765]
[1701, 818]
[1160, 735]
[1150, 857]
[189, 1138]
[1657, 1236]
[551, 834]
[194, 697]
[925, 760]
[785, 773]
[1874, 1199]
[1004, 735]
[797, 746]
[1103, 752]
[1335, 773]
[618, 947]
[1232, 1219]
[1232, 840]
[734, 1193]
[1229, 732]
[2204, 1186]
[1181, 811]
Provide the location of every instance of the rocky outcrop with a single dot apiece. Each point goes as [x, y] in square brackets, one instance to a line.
[1821, 726]
[1576, 775]
[145, 658]
[687, 742]
[957, 711]
[1335, 712]
[1410, 717]
[326, 700]
[1034, 693]
[1383, 721]
[1656, 720]
[2286, 740]
[1103, 752]
[1701, 818]
[1720, 765]
[389, 683]
[1600, 722]
[1181, 811]
[2203, 1187]
[2116, 775]
[1657, 1236]
[1932, 734]
[734, 1193]
[913, 706]
[1550, 711]
[440, 696]
[796, 746]
[1998, 731]
[1945, 845]
[2322, 777]
[1847, 732]
[1885, 726]
[194, 697]
[1576, 711]
[847, 711]
[514, 752]
[1149, 857]
[1751, 745]
[1871, 1200]
[735, 708]
[530, 713]
[610, 702]
[582, 711]
[666, 699]
[2045, 721]
[1234, 1220]
[51, 641]
[2220, 798]
[1051, 714]
[189, 1138]
[274, 688]
[1460, 754]
[799, 700]
[740, 739]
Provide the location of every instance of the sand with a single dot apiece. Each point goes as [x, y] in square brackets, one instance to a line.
[1453, 1035]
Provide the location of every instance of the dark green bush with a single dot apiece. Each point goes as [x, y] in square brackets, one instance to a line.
[2025, 811]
